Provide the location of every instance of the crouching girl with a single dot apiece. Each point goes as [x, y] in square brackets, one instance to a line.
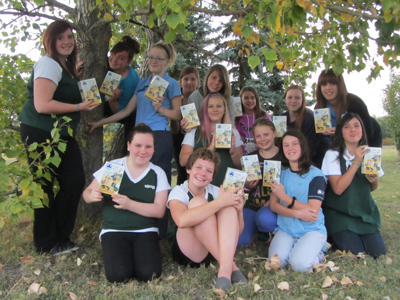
[206, 221]
[301, 232]
[130, 235]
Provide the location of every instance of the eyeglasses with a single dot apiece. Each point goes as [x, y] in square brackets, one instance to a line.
[158, 59]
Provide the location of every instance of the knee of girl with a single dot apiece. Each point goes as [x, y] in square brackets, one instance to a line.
[118, 277]
[268, 225]
[196, 201]
[147, 275]
[244, 240]
[300, 266]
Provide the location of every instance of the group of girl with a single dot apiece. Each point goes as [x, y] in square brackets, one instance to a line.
[206, 223]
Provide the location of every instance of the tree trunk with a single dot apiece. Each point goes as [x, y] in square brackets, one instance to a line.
[93, 36]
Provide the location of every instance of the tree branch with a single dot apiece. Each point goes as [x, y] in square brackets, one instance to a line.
[62, 6]
[340, 10]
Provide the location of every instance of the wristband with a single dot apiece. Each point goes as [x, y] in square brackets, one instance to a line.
[77, 107]
[292, 204]
[354, 162]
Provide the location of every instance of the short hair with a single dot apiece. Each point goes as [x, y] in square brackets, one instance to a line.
[169, 48]
[205, 154]
[50, 36]
[301, 113]
[141, 128]
[304, 160]
[263, 122]
[127, 44]
[189, 70]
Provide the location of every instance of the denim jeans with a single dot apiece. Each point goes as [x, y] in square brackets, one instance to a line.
[372, 244]
[300, 253]
[264, 220]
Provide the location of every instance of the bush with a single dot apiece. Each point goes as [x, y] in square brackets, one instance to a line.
[388, 141]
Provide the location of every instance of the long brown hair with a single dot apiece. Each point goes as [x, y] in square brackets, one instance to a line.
[226, 87]
[328, 76]
[127, 44]
[260, 113]
[301, 113]
[50, 36]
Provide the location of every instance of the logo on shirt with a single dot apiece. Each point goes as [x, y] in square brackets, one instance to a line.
[148, 186]
[320, 192]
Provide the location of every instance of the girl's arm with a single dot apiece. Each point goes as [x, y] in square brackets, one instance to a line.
[130, 107]
[186, 151]
[185, 218]
[174, 113]
[92, 193]
[307, 214]
[43, 93]
[151, 210]
[340, 183]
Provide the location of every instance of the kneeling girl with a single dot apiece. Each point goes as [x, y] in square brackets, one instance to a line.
[301, 233]
[130, 235]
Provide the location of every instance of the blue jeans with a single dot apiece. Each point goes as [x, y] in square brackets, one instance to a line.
[300, 253]
[372, 244]
[264, 220]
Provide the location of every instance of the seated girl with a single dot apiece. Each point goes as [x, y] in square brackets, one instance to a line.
[130, 235]
[351, 215]
[257, 212]
[206, 221]
[301, 233]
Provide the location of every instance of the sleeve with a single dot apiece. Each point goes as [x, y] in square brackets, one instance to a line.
[214, 191]
[47, 68]
[97, 175]
[189, 138]
[178, 193]
[330, 164]
[238, 140]
[316, 188]
[197, 99]
[162, 181]
[173, 89]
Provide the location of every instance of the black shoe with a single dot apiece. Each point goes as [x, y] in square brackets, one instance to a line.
[64, 248]
[264, 236]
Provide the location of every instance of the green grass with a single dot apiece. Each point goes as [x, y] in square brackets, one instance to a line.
[380, 278]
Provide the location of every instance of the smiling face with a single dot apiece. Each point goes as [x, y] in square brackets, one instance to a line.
[352, 131]
[141, 149]
[201, 173]
[189, 83]
[249, 100]
[158, 66]
[294, 100]
[264, 137]
[291, 148]
[215, 109]
[119, 61]
[65, 44]
[329, 91]
[214, 82]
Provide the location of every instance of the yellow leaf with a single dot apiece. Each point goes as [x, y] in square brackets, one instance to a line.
[359, 283]
[351, 2]
[192, 2]
[279, 65]
[250, 275]
[107, 17]
[25, 190]
[240, 53]
[37, 272]
[346, 281]
[324, 296]
[231, 44]
[92, 282]
[34, 288]
[246, 2]
[42, 290]
[256, 288]
[334, 278]
[306, 4]
[274, 263]
[283, 31]
[132, 31]
[221, 293]
[284, 286]
[278, 23]
[389, 261]
[314, 11]
[383, 279]
[72, 296]
[78, 261]
[247, 51]
[385, 60]
[322, 3]
[344, 16]
[26, 259]
[110, 1]
[327, 282]
[373, 12]
[319, 267]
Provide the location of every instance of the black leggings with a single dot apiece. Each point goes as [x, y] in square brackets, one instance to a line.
[129, 255]
[54, 224]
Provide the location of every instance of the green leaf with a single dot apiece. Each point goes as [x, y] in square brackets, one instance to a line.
[269, 54]
[62, 146]
[247, 31]
[36, 203]
[270, 65]
[386, 4]
[124, 4]
[56, 161]
[173, 20]
[35, 26]
[25, 182]
[254, 61]
[32, 147]
[70, 131]
[169, 36]
[174, 6]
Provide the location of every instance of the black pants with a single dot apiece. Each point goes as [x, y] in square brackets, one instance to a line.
[129, 255]
[54, 224]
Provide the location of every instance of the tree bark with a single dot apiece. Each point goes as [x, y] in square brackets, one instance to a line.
[93, 35]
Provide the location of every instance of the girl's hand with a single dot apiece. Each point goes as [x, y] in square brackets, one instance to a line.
[330, 131]
[184, 124]
[278, 189]
[116, 94]
[229, 198]
[79, 68]
[249, 185]
[232, 150]
[121, 200]
[87, 106]
[372, 178]
[211, 147]
[307, 215]
[92, 126]
[96, 196]
[240, 204]
[360, 152]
